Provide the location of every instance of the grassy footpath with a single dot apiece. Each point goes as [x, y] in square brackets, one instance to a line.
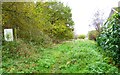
[79, 56]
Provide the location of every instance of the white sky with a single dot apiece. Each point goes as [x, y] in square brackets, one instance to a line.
[82, 11]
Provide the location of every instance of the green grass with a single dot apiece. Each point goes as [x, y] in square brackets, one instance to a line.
[79, 56]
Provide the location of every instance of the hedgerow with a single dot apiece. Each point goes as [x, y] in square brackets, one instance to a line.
[109, 38]
[82, 36]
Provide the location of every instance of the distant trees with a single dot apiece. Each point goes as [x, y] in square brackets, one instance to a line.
[41, 21]
[92, 35]
[82, 36]
[97, 23]
[97, 20]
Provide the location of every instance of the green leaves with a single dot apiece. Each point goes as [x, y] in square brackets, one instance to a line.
[80, 56]
[82, 36]
[51, 19]
[92, 35]
[109, 38]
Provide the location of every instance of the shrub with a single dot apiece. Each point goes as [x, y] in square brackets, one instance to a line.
[16, 49]
[82, 36]
[9, 49]
[109, 38]
[92, 35]
[36, 36]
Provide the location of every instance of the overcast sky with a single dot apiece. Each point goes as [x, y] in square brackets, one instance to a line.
[83, 10]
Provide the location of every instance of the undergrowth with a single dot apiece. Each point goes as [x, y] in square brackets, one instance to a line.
[78, 56]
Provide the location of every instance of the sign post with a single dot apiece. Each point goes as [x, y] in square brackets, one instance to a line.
[8, 34]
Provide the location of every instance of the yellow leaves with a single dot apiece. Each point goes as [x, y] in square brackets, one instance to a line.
[68, 62]
[11, 69]
[71, 62]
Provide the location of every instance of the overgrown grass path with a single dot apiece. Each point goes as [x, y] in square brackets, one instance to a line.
[78, 56]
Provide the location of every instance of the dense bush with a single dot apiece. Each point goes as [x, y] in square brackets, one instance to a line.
[82, 36]
[92, 35]
[109, 39]
[10, 49]
[35, 36]
[17, 49]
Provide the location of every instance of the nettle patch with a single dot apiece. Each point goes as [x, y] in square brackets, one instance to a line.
[109, 39]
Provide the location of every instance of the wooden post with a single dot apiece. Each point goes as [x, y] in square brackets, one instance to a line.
[15, 33]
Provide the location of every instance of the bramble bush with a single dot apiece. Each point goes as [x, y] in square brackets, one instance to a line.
[16, 49]
[109, 38]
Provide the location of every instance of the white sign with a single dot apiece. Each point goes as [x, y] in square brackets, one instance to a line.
[8, 34]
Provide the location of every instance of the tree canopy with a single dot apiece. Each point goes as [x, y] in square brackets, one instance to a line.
[52, 20]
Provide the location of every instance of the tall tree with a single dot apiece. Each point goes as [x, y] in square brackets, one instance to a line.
[51, 19]
[98, 20]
